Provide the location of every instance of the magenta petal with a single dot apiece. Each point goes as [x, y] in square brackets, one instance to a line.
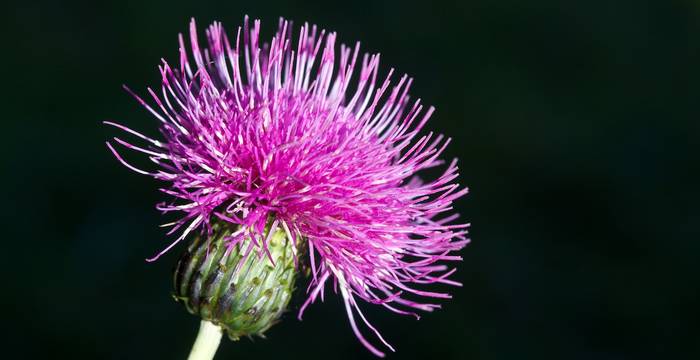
[253, 131]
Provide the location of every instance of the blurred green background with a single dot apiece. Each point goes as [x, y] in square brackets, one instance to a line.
[576, 126]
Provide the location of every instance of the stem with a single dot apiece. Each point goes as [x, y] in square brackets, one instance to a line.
[207, 342]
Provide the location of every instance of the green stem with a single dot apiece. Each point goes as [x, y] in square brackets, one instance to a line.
[207, 342]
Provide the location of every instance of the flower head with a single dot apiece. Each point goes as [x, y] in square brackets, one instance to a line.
[313, 140]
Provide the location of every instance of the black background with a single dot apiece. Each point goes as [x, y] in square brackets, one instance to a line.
[576, 126]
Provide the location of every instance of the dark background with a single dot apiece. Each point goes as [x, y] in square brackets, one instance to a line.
[576, 126]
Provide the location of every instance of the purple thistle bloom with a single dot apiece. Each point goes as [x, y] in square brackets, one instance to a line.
[252, 132]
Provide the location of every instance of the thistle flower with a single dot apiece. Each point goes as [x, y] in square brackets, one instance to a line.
[296, 138]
